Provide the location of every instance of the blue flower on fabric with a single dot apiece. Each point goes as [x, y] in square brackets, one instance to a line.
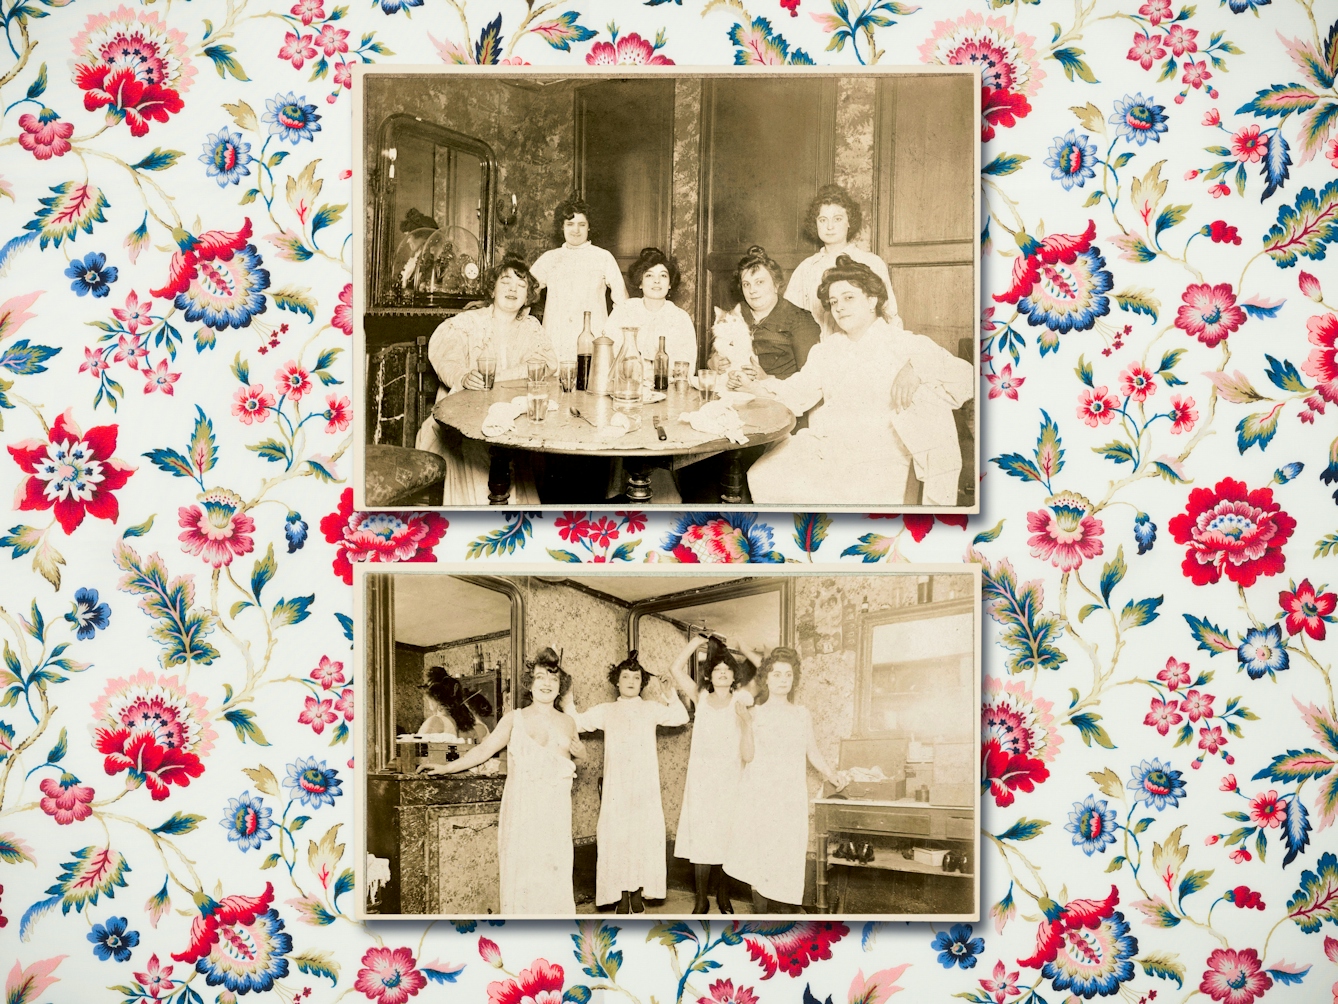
[1156, 784]
[395, 6]
[112, 941]
[247, 820]
[719, 537]
[88, 616]
[1241, 6]
[1138, 119]
[1145, 532]
[91, 275]
[1092, 823]
[291, 118]
[1061, 282]
[226, 157]
[312, 783]
[1072, 159]
[956, 947]
[295, 529]
[1288, 472]
[1262, 653]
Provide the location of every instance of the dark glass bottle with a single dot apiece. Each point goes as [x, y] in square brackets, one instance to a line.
[585, 348]
[662, 367]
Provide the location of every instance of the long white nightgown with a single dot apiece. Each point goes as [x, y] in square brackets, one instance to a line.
[770, 849]
[856, 449]
[576, 278]
[714, 766]
[534, 849]
[630, 832]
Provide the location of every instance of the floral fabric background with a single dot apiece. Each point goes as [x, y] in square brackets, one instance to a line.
[1160, 735]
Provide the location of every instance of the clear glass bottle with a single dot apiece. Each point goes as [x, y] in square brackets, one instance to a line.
[629, 369]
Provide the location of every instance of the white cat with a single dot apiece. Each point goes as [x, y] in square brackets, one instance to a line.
[731, 341]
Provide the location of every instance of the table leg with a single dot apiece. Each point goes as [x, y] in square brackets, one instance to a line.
[499, 476]
[638, 481]
[732, 483]
[820, 865]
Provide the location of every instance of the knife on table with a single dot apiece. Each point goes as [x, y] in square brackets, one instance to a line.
[659, 429]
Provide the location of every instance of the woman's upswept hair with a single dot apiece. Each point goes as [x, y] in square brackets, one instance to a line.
[415, 220]
[547, 661]
[718, 653]
[630, 663]
[833, 195]
[512, 262]
[858, 275]
[568, 209]
[450, 693]
[780, 653]
[647, 260]
[757, 257]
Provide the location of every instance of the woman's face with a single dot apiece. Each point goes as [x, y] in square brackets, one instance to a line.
[759, 289]
[545, 684]
[833, 224]
[780, 681]
[510, 292]
[722, 678]
[655, 283]
[629, 683]
[853, 309]
[576, 230]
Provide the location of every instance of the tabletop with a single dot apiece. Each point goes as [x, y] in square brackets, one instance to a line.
[764, 420]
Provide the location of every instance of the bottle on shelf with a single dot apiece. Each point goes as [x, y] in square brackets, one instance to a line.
[585, 348]
[662, 367]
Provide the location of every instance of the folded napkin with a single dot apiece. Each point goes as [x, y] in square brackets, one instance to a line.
[718, 419]
[618, 426]
[501, 417]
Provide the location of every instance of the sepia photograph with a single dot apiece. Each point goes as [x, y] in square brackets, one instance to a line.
[662, 287]
[669, 742]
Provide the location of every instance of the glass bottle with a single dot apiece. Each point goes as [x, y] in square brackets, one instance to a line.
[662, 367]
[585, 348]
[628, 370]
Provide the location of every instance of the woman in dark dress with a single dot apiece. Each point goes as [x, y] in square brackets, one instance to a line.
[782, 333]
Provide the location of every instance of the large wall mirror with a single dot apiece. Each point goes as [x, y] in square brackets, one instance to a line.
[433, 235]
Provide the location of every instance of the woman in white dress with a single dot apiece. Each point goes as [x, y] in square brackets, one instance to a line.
[715, 762]
[453, 710]
[887, 400]
[652, 313]
[505, 330]
[577, 274]
[534, 849]
[835, 219]
[770, 851]
[630, 833]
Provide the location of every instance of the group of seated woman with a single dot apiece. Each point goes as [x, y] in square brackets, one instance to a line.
[878, 398]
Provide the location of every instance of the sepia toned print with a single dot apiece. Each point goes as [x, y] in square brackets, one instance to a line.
[667, 288]
[669, 743]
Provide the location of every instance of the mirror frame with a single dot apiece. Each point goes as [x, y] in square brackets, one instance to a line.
[383, 187]
[710, 594]
[864, 666]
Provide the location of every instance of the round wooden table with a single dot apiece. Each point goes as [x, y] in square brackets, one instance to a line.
[764, 421]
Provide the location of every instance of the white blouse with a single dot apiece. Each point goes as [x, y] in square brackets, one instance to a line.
[576, 278]
[670, 321]
[802, 289]
[456, 345]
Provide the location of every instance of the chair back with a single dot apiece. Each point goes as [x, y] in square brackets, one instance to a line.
[397, 392]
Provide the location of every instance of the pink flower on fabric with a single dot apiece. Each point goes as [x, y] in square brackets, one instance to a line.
[218, 532]
[317, 713]
[1097, 406]
[66, 801]
[1065, 533]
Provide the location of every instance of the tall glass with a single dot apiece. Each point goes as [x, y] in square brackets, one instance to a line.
[537, 400]
[706, 379]
[567, 375]
[536, 369]
[488, 367]
[682, 369]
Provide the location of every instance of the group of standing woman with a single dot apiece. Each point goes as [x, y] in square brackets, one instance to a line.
[745, 800]
[829, 342]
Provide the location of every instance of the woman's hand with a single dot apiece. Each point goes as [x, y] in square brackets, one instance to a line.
[741, 380]
[433, 768]
[473, 380]
[904, 388]
[743, 700]
[568, 703]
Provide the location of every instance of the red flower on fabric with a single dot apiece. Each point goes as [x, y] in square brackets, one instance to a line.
[328, 673]
[44, 135]
[1267, 810]
[1182, 415]
[343, 312]
[1029, 268]
[66, 801]
[1197, 705]
[1232, 531]
[1322, 363]
[1180, 39]
[137, 101]
[635, 521]
[1065, 533]
[1146, 50]
[1221, 232]
[73, 472]
[218, 532]
[1000, 108]
[239, 942]
[1234, 977]
[540, 984]
[156, 767]
[1157, 11]
[1059, 921]
[1245, 898]
[1307, 611]
[573, 526]
[724, 992]
[1175, 675]
[1210, 312]
[1138, 382]
[318, 714]
[1005, 772]
[389, 975]
[603, 531]
[379, 537]
[1249, 145]
[1004, 383]
[792, 6]
[629, 50]
[919, 524]
[1162, 715]
[789, 947]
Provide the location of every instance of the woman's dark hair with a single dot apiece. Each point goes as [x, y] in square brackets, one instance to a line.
[546, 661]
[512, 263]
[647, 260]
[717, 654]
[480, 705]
[414, 220]
[858, 275]
[450, 693]
[833, 195]
[630, 663]
[566, 210]
[778, 654]
[757, 257]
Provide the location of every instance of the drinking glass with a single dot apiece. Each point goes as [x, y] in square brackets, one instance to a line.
[488, 367]
[537, 369]
[706, 379]
[537, 400]
[567, 375]
[682, 369]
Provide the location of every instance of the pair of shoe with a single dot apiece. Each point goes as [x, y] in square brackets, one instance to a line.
[631, 902]
[848, 850]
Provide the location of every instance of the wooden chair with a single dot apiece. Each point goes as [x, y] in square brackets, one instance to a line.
[398, 382]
